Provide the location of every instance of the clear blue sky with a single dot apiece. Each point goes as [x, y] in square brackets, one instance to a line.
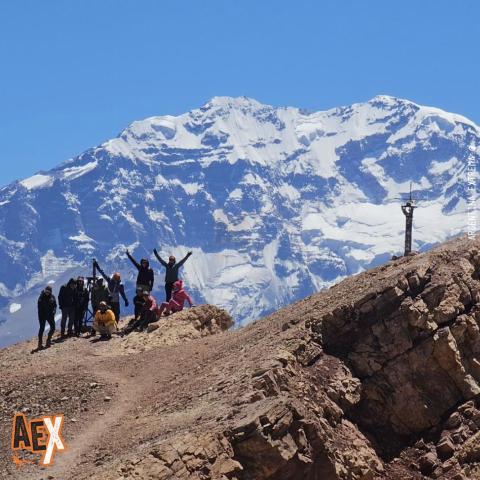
[74, 73]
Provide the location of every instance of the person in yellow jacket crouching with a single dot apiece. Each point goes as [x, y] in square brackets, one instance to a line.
[104, 322]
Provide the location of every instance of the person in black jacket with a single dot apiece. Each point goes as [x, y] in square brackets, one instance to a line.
[145, 277]
[80, 303]
[171, 271]
[138, 302]
[99, 294]
[47, 307]
[65, 301]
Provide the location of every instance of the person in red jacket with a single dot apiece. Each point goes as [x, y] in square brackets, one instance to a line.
[179, 296]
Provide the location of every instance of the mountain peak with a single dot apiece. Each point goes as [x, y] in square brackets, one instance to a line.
[226, 101]
[246, 187]
[388, 100]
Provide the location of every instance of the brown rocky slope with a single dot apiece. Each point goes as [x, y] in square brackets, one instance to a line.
[376, 378]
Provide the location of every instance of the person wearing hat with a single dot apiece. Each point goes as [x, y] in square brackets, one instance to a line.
[104, 322]
[115, 291]
[47, 307]
[171, 271]
[177, 301]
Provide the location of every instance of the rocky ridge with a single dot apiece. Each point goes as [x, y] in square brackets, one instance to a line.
[375, 378]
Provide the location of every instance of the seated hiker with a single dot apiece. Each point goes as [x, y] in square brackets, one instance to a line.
[47, 307]
[104, 322]
[145, 277]
[147, 314]
[138, 302]
[149, 311]
[65, 300]
[115, 291]
[171, 271]
[179, 296]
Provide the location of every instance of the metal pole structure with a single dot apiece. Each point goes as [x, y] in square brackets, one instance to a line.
[407, 210]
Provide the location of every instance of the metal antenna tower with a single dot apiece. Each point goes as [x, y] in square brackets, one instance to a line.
[407, 209]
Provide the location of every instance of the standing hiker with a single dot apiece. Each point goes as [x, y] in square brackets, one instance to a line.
[80, 303]
[115, 290]
[47, 307]
[145, 277]
[171, 271]
[99, 294]
[177, 301]
[65, 301]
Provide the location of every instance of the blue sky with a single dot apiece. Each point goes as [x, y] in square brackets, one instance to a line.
[75, 73]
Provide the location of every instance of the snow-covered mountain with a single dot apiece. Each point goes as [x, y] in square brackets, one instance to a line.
[275, 203]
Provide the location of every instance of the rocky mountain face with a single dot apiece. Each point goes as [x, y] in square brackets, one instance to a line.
[275, 203]
[376, 378]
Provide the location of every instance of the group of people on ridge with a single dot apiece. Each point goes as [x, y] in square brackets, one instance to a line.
[105, 296]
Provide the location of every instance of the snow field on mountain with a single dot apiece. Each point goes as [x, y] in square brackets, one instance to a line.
[275, 203]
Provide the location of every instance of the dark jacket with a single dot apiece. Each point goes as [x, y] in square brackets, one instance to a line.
[66, 296]
[47, 305]
[145, 274]
[99, 294]
[138, 302]
[80, 299]
[115, 289]
[171, 269]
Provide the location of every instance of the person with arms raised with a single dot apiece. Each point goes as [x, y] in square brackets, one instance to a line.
[145, 277]
[171, 271]
[115, 290]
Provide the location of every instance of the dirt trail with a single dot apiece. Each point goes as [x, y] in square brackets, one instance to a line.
[105, 392]
[81, 446]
